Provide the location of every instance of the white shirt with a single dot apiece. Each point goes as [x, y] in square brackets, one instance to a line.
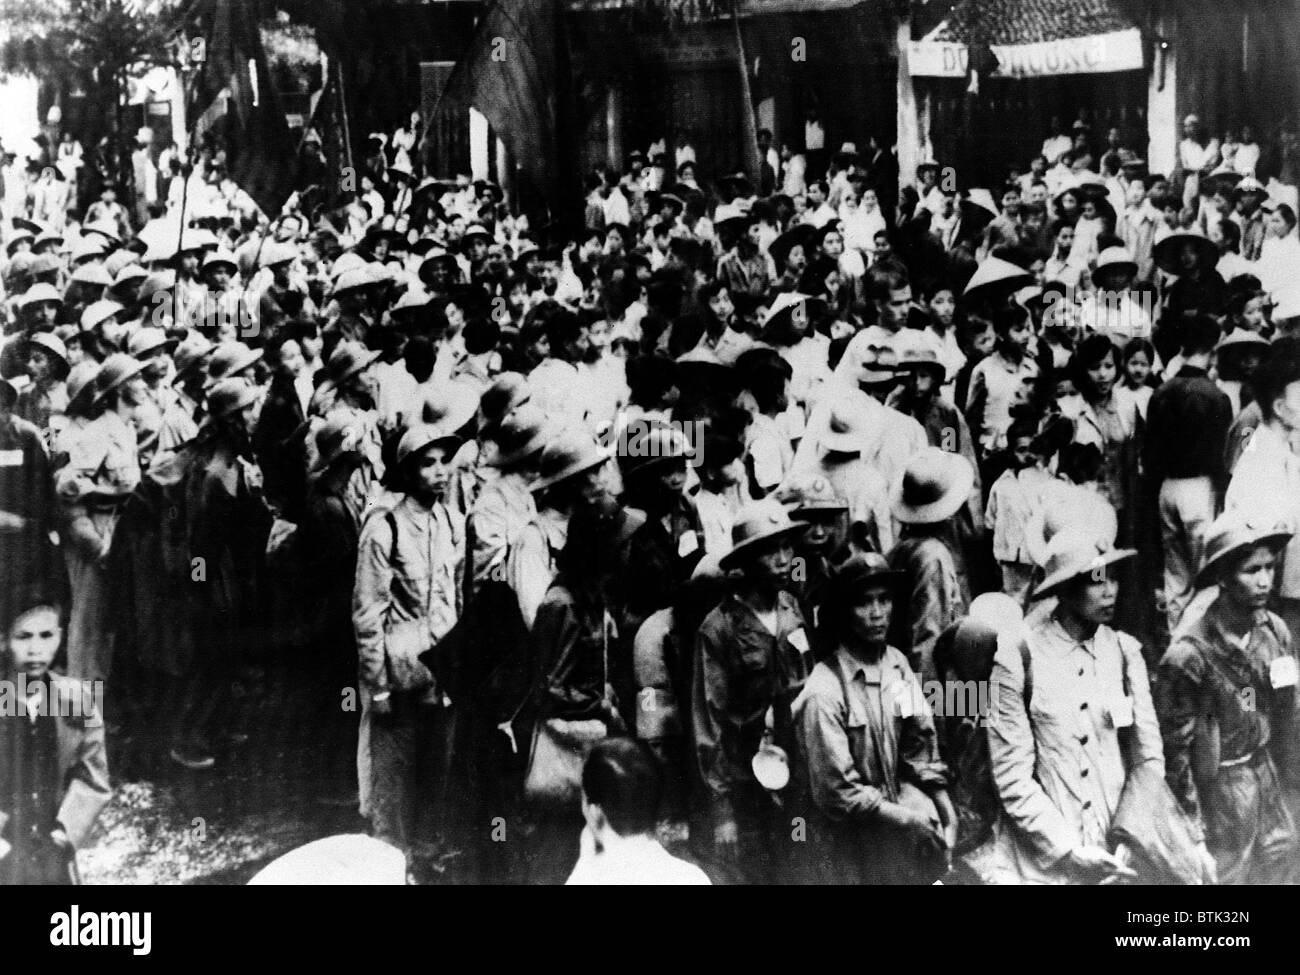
[633, 861]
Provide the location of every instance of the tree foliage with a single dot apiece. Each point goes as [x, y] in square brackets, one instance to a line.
[86, 41]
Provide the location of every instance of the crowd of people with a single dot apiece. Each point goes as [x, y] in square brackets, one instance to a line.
[729, 491]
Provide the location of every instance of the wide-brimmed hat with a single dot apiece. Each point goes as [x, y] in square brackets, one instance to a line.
[1071, 507]
[522, 434]
[1072, 553]
[1242, 338]
[229, 359]
[337, 436]
[916, 351]
[45, 264]
[475, 231]
[508, 392]
[982, 198]
[569, 453]
[353, 279]
[348, 359]
[229, 395]
[98, 311]
[847, 579]
[1165, 253]
[127, 274]
[806, 493]
[17, 237]
[39, 294]
[995, 273]
[788, 302]
[871, 355]
[451, 405]
[1249, 184]
[653, 446]
[52, 344]
[975, 637]
[757, 523]
[846, 427]
[435, 257]
[221, 258]
[191, 354]
[81, 384]
[93, 274]
[106, 229]
[148, 341]
[1236, 531]
[932, 487]
[117, 369]
[88, 247]
[1116, 257]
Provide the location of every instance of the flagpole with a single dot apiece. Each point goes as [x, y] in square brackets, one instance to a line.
[343, 104]
[749, 129]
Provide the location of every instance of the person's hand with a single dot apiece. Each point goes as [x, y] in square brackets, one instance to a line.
[1209, 867]
[727, 835]
[381, 704]
[1097, 863]
[948, 817]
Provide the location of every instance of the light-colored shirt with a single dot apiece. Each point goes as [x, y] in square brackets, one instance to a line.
[1266, 481]
[632, 861]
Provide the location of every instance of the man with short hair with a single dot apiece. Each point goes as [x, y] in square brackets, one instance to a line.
[622, 787]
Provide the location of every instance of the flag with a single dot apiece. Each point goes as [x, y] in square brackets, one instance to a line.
[235, 100]
[512, 72]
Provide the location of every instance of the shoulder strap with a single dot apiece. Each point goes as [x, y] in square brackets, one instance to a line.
[1027, 662]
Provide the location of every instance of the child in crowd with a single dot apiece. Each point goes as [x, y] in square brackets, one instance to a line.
[1138, 383]
[1013, 499]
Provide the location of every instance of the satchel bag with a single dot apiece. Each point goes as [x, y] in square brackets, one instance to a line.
[560, 747]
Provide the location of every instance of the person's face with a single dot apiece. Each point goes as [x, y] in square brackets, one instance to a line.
[827, 530]
[1277, 225]
[1065, 389]
[598, 336]
[949, 204]
[614, 241]
[76, 354]
[1247, 134]
[815, 195]
[1187, 257]
[39, 367]
[455, 317]
[943, 307]
[134, 391]
[291, 359]
[1248, 362]
[771, 563]
[1064, 240]
[1287, 406]
[881, 240]
[189, 263]
[869, 618]
[218, 277]
[1252, 316]
[155, 370]
[1112, 138]
[796, 260]
[1091, 597]
[1038, 165]
[34, 640]
[431, 471]
[870, 203]
[45, 314]
[983, 342]
[1138, 368]
[1189, 130]
[893, 313]
[800, 203]
[1018, 335]
[1249, 583]
[247, 417]
[1022, 452]
[1102, 375]
[688, 174]
[921, 383]
[594, 490]
[672, 479]
[833, 244]
[311, 346]
[1011, 202]
[1089, 210]
[721, 306]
